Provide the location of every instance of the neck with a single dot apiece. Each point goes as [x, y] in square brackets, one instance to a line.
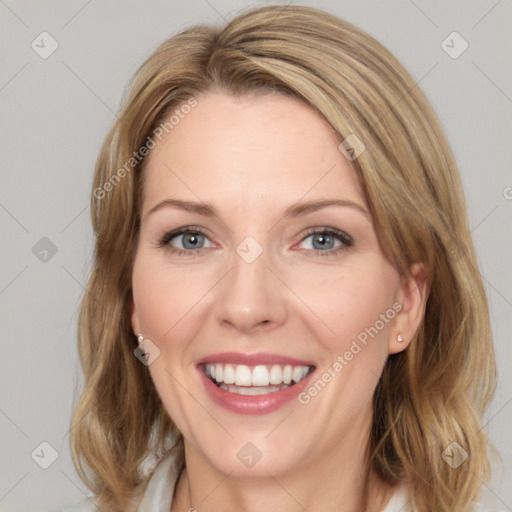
[336, 485]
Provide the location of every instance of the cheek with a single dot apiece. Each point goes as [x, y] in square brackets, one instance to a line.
[168, 301]
[168, 306]
[351, 303]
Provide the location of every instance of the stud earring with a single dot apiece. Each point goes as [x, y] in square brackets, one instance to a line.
[400, 339]
[140, 339]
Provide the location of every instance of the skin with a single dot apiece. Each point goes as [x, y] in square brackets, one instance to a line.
[251, 158]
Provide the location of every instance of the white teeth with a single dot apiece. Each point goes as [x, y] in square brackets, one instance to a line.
[297, 374]
[250, 390]
[229, 374]
[276, 375]
[287, 374]
[218, 373]
[243, 375]
[261, 375]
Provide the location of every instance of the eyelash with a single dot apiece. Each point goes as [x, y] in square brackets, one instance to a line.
[343, 237]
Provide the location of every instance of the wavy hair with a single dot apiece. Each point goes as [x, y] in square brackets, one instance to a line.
[430, 395]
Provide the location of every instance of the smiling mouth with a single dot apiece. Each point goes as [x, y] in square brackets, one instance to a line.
[255, 380]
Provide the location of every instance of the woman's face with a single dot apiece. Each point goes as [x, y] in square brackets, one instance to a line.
[258, 262]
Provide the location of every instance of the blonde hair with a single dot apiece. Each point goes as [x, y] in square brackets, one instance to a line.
[430, 395]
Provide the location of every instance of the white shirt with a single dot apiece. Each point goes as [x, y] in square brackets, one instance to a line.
[158, 493]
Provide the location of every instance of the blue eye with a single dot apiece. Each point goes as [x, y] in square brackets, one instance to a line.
[322, 242]
[185, 240]
[327, 241]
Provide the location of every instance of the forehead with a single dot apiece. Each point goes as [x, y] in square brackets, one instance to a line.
[266, 146]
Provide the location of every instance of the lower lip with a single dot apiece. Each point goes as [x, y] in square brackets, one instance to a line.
[257, 404]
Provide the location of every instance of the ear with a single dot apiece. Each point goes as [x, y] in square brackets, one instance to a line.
[412, 296]
[134, 317]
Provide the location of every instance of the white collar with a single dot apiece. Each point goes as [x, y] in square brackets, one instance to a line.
[160, 488]
[399, 500]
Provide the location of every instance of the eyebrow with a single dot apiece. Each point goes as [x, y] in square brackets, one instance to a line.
[294, 210]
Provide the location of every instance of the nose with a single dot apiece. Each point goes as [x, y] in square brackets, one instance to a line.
[250, 298]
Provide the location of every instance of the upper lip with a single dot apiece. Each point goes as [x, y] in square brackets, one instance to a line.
[259, 358]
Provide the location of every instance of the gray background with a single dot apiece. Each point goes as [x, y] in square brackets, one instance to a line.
[55, 113]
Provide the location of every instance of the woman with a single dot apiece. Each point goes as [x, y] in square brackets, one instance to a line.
[285, 309]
